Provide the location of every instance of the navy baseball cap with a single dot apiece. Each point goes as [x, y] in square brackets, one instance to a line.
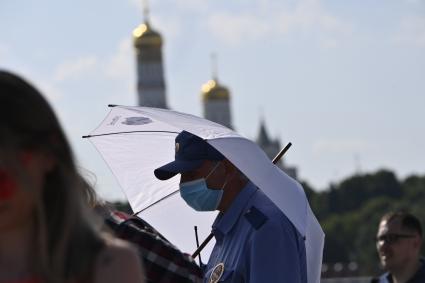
[191, 151]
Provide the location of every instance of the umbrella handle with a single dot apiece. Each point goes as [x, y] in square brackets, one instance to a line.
[208, 239]
[202, 246]
[197, 244]
[281, 153]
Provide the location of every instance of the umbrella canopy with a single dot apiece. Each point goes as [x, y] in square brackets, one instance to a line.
[134, 141]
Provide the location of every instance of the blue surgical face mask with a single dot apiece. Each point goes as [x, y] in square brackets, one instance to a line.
[198, 196]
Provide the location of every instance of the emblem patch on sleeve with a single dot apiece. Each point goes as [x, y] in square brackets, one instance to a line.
[217, 273]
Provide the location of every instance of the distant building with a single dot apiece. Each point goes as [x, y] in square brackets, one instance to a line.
[216, 103]
[150, 71]
[272, 147]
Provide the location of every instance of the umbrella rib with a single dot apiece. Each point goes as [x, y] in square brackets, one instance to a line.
[149, 206]
[129, 132]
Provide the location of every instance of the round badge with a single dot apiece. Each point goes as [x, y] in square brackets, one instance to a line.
[217, 273]
[177, 147]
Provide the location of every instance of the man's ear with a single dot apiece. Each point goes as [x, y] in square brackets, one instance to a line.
[418, 242]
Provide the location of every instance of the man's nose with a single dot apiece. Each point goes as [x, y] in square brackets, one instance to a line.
[382, 245]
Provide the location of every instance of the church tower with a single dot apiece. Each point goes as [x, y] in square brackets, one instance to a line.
[150, 72]
[271, 148]
[216, 101]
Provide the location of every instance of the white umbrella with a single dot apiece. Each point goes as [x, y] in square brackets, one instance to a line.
[134, 141]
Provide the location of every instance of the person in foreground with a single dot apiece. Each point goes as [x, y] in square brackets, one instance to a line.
[399, 242]
[163, 262]
[255, 241]
[46, 233]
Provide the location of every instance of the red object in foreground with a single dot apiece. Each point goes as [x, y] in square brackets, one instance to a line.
[8, 185]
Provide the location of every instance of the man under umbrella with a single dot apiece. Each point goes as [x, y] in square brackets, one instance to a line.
[255, 241]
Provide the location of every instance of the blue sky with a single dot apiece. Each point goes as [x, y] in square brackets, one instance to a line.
[342, 80]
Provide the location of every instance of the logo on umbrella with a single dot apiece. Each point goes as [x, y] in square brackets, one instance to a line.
[136, 121]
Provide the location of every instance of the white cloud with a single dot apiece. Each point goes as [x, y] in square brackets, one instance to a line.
[306, 17]
[233, 29]
[303, 17]
[75, 68]
[120, 70]
[120, 65]
[411, 32]
[310, 17]
[116, 70]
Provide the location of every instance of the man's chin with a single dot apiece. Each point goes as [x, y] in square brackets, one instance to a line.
[384, 261]
[386, 264]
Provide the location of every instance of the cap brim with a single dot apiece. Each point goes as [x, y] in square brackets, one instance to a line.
[175, 167]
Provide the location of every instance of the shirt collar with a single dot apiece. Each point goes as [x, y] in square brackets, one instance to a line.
[419, 273]
[225, 221]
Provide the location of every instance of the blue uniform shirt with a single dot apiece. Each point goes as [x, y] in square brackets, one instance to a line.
[256, 243]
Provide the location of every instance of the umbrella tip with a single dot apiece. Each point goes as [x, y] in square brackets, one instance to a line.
[112, 105]
[84, 137]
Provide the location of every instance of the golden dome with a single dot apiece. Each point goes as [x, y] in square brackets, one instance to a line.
[213, 90]
[145, 35]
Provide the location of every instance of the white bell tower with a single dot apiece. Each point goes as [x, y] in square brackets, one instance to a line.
[216, 100]
[150, 72]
